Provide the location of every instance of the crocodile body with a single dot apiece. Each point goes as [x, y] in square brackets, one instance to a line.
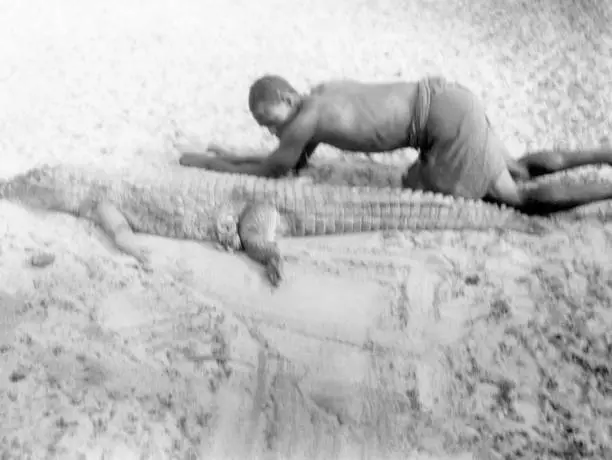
[250, 212]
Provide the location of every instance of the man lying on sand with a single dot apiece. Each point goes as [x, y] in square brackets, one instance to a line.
[459, 152]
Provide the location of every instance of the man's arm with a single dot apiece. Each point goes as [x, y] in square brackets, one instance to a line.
[293, 140]
[200, 160]
[543, 198]
[305, 156]
[192, 149]
[254, 167]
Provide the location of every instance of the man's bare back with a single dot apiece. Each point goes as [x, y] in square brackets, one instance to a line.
[364, 117]
[459, 152]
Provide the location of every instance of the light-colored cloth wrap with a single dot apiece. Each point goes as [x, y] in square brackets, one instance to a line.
[460, 153]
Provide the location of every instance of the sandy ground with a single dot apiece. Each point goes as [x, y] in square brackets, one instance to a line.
[419, 345]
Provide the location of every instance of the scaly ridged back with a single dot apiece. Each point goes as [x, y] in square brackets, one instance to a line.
[318, 209]
[184, 202]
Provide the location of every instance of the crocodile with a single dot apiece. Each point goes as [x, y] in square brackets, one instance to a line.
[242, 212]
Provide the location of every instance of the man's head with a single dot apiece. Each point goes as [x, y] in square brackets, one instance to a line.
[273, 102]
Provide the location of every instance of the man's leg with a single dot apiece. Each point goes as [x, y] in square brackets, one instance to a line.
[413, 177]
[546, 198]
[469, 159]
[517, 170]
[550, 161]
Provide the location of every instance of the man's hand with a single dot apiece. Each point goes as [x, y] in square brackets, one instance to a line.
[197, 160]
[210, 149]
[197, 154]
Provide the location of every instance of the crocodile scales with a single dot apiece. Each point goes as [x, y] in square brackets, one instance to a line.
[246, 212]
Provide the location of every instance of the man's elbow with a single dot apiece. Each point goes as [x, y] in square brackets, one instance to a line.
[192, 160]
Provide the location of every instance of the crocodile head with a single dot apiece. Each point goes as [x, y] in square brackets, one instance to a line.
[43, 187]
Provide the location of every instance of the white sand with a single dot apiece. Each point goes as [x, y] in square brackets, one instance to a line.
[418, 345]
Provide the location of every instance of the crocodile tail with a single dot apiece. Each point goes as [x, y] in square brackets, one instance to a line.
[324, 209]
[433, 211]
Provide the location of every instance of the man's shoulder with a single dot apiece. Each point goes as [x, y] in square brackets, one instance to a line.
[338, 85]
[306, 118]
[353, 88]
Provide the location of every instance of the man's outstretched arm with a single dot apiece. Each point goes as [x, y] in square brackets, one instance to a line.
[293, 141]
[252, 166]
[192, 148]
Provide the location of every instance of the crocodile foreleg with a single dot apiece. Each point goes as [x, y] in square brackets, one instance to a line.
[255, 229]
[116, 227]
